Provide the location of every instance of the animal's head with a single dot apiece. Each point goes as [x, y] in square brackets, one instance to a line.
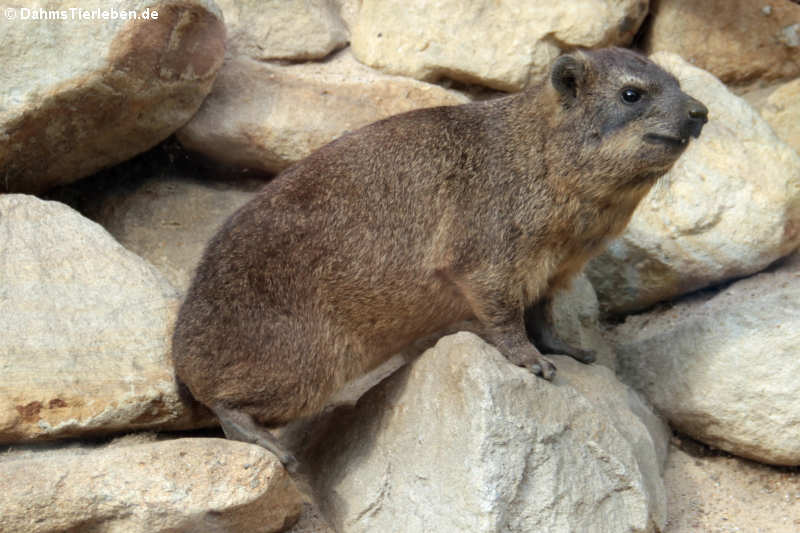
[625, 110]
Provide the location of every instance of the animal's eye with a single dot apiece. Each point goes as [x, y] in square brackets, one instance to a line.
[631, 96]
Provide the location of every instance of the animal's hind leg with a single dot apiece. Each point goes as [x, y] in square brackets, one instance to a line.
[240, 426]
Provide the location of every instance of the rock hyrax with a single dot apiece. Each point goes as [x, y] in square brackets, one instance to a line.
[413, 223]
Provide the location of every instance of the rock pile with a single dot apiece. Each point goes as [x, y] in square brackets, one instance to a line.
[693, 311]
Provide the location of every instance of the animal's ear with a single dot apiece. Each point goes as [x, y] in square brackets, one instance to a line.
[567, 76]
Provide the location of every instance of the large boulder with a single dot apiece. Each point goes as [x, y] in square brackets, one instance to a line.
[723, 367]
[174, 486]
[729, 207]
[77, 95]
[293, 30]
[502, 45]
[268, 116]
[462, 440]
[736, 40]
[86, 330]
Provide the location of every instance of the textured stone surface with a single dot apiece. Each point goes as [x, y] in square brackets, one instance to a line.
[782, 111]
[78, 95]
[499, 44]
[464, 441]
[736, 40]
[576, 313]
[729, 207]
[283, 29]
[723, 369]
[165, 217]
[269, 116]
[175, 486]
[86, 326]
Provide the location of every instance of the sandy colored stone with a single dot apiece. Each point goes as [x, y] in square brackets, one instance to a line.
[723, 368]
[79, 95]
[729, 207]
[461, 440]
[283, 29]
[268, 116]
[175, 486]
[782, 111]
[502, 45]
[575, 315]
[86, 330]
[713, 492]
[165, 217]
[736, 40]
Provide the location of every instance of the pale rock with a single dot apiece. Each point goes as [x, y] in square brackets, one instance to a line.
[502, 45]
[268, 116]
[462, 440]
[728, 208]
[166, 218]
[174, 486]
[736, 40]
[723, 368]
[782, 111]
[575, 317]
[283, 29]
[78, 95]
[85, 347]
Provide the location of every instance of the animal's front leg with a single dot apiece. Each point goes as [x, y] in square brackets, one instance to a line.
[501, 314]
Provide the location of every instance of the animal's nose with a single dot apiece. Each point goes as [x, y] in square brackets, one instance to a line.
[697, 111]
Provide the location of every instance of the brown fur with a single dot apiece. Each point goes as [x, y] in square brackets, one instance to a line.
[399, 229]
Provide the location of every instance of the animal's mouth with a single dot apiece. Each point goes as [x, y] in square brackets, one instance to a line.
[675, 142]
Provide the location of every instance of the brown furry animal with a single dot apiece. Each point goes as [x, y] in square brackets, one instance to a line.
[428, 218]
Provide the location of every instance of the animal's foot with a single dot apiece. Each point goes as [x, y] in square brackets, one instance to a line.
[584, 356]
[536, 363]
[238, 425]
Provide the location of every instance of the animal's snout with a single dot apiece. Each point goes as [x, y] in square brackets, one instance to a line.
[698, 115]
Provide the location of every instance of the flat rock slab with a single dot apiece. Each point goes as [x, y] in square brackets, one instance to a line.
[175, 486]
[78, 95]
[502, 45]
[293, 30]
[462, 440]
[728, 208]
[724, 369]
[268, 116]
[86, 330]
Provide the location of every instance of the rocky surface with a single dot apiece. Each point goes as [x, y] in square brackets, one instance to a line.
[713, 492]
[267, 116]
[722, 368]
[464, 441]
[736, 40]
[80, 95]
[729, 207]
[167, 218]
[576, 320]
[500, 45]
[175, 486]
[283, 29]
[86, 325]
[781, 109]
